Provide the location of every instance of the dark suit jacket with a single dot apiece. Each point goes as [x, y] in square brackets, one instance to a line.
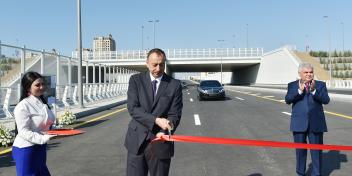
[307, 109]
[142, 108]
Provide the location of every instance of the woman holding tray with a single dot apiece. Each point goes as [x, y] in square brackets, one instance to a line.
[33, 118]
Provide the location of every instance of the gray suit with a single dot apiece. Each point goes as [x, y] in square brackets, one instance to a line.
[143, 155]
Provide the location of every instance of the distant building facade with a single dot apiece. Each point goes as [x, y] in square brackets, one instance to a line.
[104, 44]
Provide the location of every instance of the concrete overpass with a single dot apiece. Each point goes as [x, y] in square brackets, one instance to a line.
[239, 61]
[244, 66]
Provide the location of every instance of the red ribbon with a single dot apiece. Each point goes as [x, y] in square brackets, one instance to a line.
[248, 142]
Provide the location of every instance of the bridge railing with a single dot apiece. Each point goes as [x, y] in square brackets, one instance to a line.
[66, 96]
[173, 53]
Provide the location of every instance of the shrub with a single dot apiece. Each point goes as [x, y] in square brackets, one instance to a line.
[6, 136]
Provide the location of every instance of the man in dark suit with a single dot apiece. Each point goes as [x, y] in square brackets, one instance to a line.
[307, 120]
[155, 104]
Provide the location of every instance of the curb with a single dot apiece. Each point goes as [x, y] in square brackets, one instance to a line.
[99, 109]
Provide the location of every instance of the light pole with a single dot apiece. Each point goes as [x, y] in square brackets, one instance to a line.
[307, 44]
[330, 67]
[79, 28]
[234, 40]
[246, 35]
[343, 39]
[220, 41]
[142, 37]
[153, 21]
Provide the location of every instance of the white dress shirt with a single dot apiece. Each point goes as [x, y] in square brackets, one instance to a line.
[33, 117]
[158, 81]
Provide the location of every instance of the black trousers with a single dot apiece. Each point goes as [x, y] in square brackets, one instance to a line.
[140, 164]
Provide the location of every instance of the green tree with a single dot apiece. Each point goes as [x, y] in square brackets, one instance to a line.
[340, 75]
[334, 54]
[339, 60]
[340, 54]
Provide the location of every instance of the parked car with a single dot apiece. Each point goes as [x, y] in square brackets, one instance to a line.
[210, 89]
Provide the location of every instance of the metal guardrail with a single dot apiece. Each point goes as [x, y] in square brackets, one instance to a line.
[173, 53]
[343, 84]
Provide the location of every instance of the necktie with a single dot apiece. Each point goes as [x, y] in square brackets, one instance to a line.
[154, 82]
[307, 86]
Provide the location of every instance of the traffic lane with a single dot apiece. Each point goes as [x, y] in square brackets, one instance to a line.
[272, 152]
[336, 105]
[339, 128]
[99, 151]
[222, 119]
[337, 124]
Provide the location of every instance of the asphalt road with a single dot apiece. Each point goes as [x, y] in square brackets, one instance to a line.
[244, 114]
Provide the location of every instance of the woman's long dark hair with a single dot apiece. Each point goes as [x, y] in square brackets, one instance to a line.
[26, 83]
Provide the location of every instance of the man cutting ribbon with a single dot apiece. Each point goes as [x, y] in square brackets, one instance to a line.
[154, 101]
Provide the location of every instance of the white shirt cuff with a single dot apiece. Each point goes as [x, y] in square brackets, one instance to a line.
[300, 92]
[314, 91]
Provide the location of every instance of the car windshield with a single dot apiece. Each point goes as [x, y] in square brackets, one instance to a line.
[210, 84]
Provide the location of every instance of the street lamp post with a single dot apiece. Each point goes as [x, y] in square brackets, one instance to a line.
[220, 41]
[79, 28]
[142, 37]
[246, 35]
[330, 67]
[234, 40]
[153, 21]
[343, 39]
[307, 43]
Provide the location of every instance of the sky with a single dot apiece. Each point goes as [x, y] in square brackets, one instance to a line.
[48, 24]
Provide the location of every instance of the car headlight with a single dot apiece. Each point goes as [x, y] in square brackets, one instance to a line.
[222, 90]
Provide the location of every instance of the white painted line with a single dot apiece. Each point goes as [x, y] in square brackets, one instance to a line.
[196, 119]
[191, 99]
[188, 93]
[239, 98]
[282, 100]
[270, 96]
[255, 94]
[287, 113]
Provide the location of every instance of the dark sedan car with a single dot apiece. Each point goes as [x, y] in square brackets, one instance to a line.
[210, 89]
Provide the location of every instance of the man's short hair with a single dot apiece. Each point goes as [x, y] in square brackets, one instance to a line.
[158, 51]
[305, 65]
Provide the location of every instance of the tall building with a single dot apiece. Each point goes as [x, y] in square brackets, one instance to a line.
[104, 44]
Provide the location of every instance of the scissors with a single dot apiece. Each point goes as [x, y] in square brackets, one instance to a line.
[169, 130]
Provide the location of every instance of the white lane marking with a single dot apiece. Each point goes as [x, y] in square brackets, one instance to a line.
[287, 113]
[188, 93]
[196, 119]
[239, 98]
[270, 96]
[256, 94]
[191, 99]
[282, 100]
